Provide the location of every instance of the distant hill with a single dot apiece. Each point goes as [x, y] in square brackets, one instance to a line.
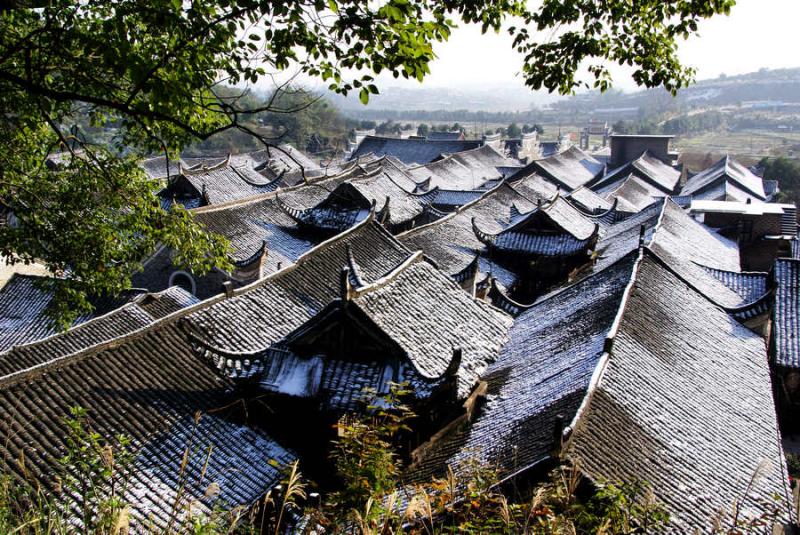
[490, 97]
[762, 88]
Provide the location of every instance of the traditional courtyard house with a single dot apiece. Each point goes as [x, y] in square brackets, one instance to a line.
[262, 234]
[550, 241]
[357, 312]
[784, 343]
[726, 180]
[634, 376]
[398, 209]
[152, 382]
[411, 151]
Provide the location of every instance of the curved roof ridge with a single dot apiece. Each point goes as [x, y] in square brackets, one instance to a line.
[180, 313]
[750, 305]
[202, 168]
[246, 180]
[355, 269]
[502, 301]
[389, 277]
[469, 269]
[245, 262]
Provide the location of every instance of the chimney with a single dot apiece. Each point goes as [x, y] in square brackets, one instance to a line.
[228, 287]
[625, 148]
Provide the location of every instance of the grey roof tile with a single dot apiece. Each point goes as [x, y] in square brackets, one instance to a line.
[241, 461]
[24, 305]
[689, 247]
[570, 169]
[411, 151]
[725, 171]
[684, 403]
[786, 316]
[542, 373]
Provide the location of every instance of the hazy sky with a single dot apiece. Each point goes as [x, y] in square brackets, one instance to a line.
[758, 33]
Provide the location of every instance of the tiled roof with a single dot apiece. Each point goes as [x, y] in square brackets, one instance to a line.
[467, 170]
[451, 199]
[24, 304]
[622, 237]
[129, 318]
[267, 311]
[411, 151]
[570, 169]
[795, 247]
[241, 462]
[247, 224]
[534, 186]
[554, 229]
[225, 182]
[451, 242]
[684, 403]
[750, 286]
[726, 170]
[687, 245]
[542, 373]
[562, 214]
[444, 136]
[588, 200]
[138, 386]
[631, 193]
[786, 323]
[540, 244]
[648, 168]
[157, 167]
[428, 315]
[164, 303]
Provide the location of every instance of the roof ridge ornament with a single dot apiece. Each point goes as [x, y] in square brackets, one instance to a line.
[455, 363]
[260, 252]
[384, 214]
[502, 301]
[483, 237]
[355, 270]
[344, 285]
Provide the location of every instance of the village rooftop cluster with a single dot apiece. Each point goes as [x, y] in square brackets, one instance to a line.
[542, 302]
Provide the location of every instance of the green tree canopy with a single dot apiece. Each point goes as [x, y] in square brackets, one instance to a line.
[153, 70]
